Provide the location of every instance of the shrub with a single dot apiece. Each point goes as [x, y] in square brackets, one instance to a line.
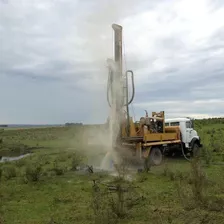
[171, 175]
[180, 175]
[63, 158]
[33, 173]
[43, 159]
[111, 203]
[142, 177]
[184, 195]
[76, 159]
[20, 162]
[166, 170]
[58, 171]
[9, 172]
[198, 179]
[192, 192]
[207, 155]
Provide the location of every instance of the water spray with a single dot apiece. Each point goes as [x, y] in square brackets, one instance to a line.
[118, 92]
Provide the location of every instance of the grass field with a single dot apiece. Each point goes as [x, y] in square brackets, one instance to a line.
[45, 186]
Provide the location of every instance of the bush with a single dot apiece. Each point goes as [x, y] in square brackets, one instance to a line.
[20, 162]
[76, 159]
[142, 177]
[185, 195]
[58, 171]
[166, 170]
[43, 159]
[63, 158]
[172, 175]
[207, 155]
[191, 193]
[33, 173]
[198, 179]
[9, 172]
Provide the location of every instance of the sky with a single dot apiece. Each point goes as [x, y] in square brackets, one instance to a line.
[53, 58]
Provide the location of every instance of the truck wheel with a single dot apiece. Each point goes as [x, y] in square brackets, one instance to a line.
[196, 150]
[155, 156]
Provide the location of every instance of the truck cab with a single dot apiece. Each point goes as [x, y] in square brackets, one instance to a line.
[189, 136]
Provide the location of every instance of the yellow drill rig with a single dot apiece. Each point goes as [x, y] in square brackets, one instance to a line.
[147, 139]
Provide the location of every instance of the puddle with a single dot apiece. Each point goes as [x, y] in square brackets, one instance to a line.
[10, 158]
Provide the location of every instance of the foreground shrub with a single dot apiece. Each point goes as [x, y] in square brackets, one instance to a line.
[173, 175]
[0, 173]
[112, 201]
[9, 172]
[75, 161]
[63, 158]
[191, 194]
[20, 163]
[43, 159]
[198, 179]
[207, 155]
[57, 170]
[33, 172]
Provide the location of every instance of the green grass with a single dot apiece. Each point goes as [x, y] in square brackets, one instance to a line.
[45, 187]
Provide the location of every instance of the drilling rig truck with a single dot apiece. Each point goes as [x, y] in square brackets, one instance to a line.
[151, 137]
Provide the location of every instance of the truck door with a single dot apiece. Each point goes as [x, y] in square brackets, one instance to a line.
[189, 130]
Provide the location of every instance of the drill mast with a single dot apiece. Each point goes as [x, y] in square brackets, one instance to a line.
[118, 87]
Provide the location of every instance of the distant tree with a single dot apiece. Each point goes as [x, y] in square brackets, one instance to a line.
[73, 124]
[3, 125]
[1, 135]
[208, 121]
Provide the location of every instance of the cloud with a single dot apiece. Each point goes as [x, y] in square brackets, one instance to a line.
[55, 51]
[197, 109]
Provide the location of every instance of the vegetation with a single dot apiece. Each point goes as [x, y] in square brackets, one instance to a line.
[73, 124]
[51, 184]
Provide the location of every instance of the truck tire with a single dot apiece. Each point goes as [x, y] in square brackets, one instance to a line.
[155, 156]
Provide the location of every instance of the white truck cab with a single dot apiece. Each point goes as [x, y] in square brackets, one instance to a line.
[190, 138]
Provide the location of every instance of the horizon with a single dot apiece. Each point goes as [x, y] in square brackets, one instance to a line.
[61, 124]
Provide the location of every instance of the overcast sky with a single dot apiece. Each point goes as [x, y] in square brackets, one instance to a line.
[53, 58]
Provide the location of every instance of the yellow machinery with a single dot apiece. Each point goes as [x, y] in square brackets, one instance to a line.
[147, 138]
